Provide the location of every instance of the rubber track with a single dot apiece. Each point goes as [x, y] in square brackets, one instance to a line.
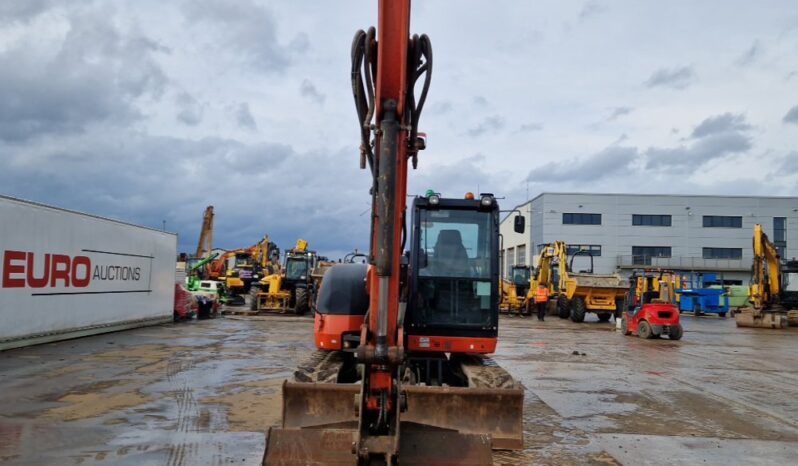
[320, 367]
[483, 372]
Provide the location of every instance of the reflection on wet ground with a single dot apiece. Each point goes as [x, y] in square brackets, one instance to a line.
[206, 392]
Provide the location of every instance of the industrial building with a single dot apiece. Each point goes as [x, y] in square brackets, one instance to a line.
[628, 231]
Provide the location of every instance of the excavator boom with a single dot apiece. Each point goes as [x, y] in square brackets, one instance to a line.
[385, 416]
[767, 288]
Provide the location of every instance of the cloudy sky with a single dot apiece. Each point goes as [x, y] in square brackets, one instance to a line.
[149, 110]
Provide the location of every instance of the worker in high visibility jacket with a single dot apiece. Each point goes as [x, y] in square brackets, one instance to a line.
[541, 300]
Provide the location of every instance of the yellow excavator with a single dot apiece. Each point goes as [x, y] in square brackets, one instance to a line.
[773, 299]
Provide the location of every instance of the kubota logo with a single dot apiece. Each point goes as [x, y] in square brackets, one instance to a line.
[25, 270]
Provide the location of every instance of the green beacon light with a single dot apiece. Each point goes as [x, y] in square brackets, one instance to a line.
[429, 193]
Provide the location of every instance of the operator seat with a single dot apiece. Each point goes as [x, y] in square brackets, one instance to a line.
[450, 255]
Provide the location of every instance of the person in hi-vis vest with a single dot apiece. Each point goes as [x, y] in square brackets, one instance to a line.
[541, 300]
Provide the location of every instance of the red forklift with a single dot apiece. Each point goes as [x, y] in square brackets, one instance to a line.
[650, 312]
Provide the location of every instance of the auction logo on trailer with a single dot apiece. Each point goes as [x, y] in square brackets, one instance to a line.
[93, 272]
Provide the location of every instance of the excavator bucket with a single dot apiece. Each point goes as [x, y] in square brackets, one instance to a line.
[747, 317]
[442, 425]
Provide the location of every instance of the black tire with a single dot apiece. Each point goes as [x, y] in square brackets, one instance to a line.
[644, 330]
[253, 298]
[301, 301]
[578, 309]
[676, 332]
[697, 310]
[604, 316]
[620, 307]
[722, 314]
[625, 326]
[563, 307]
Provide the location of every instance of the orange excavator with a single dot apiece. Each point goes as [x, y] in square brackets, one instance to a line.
[416, 386]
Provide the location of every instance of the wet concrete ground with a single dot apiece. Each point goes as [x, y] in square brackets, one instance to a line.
[205, 392]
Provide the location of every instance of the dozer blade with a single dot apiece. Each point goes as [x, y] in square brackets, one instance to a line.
[747, 318]
[320, 427]
[321, 447]
[497, 412]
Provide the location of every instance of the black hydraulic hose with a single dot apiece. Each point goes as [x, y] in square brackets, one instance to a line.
[419, 63]
[364, 67]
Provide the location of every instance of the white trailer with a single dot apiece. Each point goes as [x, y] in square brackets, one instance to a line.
[66, 274]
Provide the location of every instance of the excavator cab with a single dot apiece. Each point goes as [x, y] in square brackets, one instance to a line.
[454, 275]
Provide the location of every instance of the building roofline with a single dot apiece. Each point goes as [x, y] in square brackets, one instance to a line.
[572, 193]
[46, 206]
[728, 196]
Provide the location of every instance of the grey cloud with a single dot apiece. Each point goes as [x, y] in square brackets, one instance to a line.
[618, 112]
[244, 117]
[751, 55]
[791, 116]
[97, 174]
[479, 101]
[720, 124]
[703, 150]
[610, 161]
[190, 109]
[789, 165]
[530, 127]
[246, 29]
[441, 107]
[307, 89]
[674, 78]
[101, 72]
[591, 8]
[468, 174]
[714, 138]
[23, 10]
[490, 123]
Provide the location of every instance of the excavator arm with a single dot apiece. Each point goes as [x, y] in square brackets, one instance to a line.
[205, 242]
[766, 278]
[386, 418]
[765, 291]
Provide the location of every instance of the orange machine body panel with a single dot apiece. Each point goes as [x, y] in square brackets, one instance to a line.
[329, 330]
[435, 344]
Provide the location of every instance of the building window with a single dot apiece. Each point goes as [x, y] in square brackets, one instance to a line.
[520, 255]
[723, 253]
[581, 219]
[593, 249]
[651, 220]
[510, 261]
[641, 255]
[722, 221]
[780, 234]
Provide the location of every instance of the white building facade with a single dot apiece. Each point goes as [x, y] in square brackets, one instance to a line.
[632, 231]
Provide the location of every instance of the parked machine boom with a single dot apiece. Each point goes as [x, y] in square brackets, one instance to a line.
[773, 303]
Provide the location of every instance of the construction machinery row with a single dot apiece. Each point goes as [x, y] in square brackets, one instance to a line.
[572, 294]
